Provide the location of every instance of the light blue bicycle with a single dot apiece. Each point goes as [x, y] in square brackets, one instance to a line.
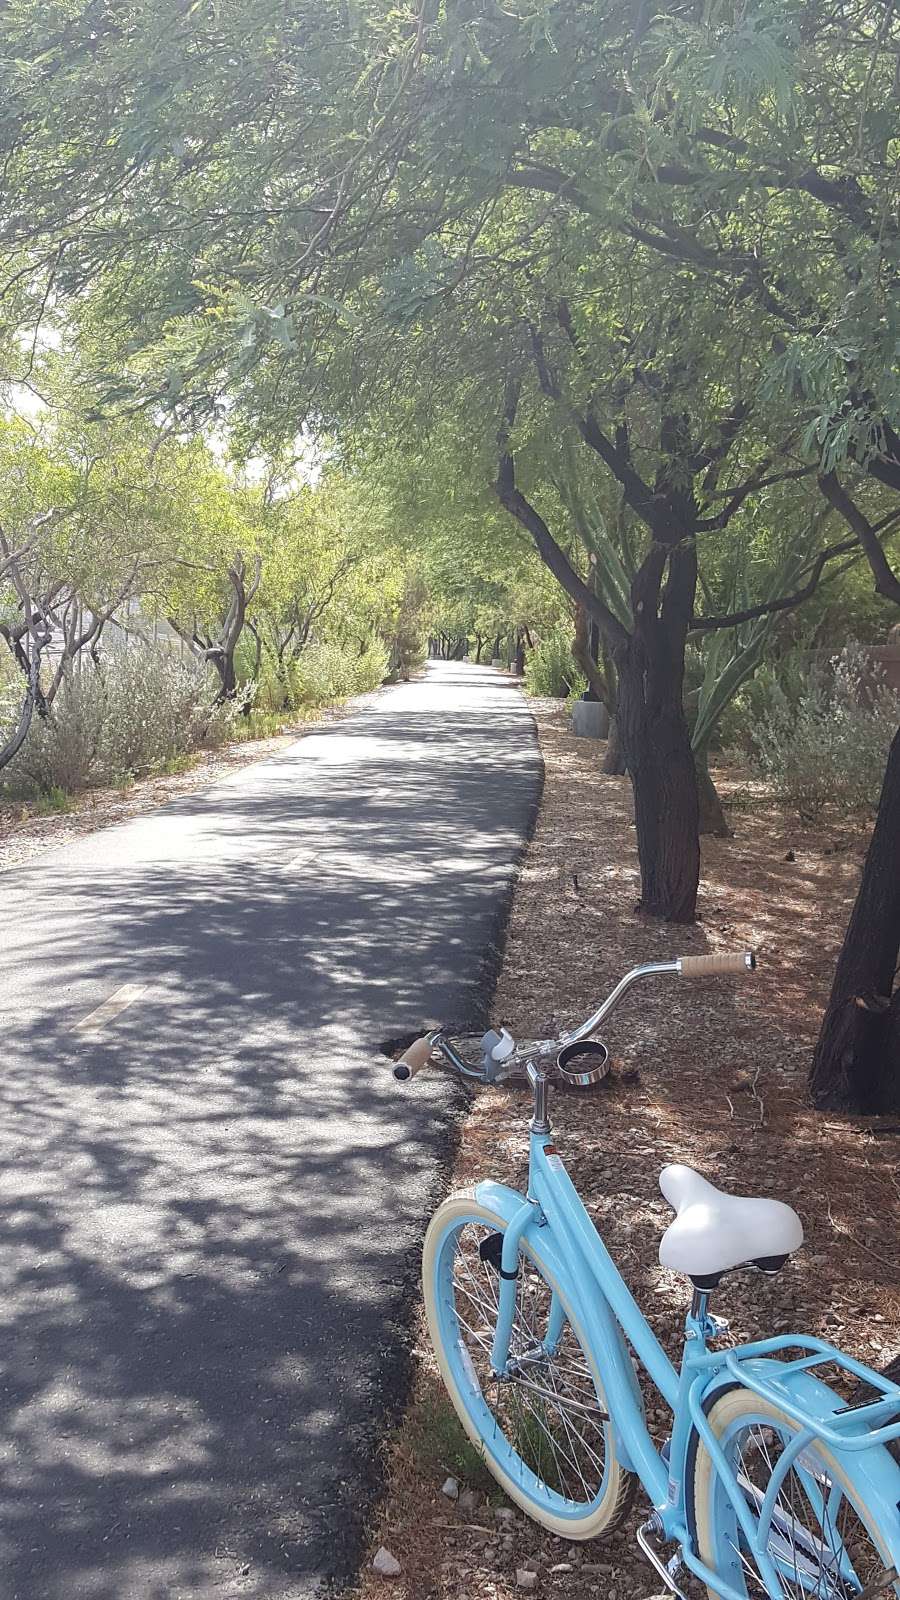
[771, 1482]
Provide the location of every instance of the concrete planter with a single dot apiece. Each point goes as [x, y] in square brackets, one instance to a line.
[590, 719]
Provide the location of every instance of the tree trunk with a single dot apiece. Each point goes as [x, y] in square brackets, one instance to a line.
[520, 655]
[614, 760]
[223, 661]
[479, 646]
[26, 716]
[581, 654]
[657, 748]
[856, 1066]
[712, 816]
[649, 662]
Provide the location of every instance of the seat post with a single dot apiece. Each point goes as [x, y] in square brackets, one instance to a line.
[699, 1305]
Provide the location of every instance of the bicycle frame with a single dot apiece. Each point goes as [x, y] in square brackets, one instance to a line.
[606, 1308]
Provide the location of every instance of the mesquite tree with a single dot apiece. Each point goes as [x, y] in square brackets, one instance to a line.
[213, 634]
[27, 636]
[692, 206]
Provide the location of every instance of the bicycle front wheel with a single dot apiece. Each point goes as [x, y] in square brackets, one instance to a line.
[820, 1536]
[543, 1430]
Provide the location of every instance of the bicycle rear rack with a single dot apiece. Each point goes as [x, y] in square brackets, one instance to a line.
[850, 1427]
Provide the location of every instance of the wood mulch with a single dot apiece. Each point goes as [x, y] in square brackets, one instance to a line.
[712, 1073]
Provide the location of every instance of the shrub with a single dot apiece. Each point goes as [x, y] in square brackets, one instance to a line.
[144, 709]
[825, 740]
[410, 649]
[550, 669]
[327, 673]
[136, 710]
[272, 687]
[322, 676]
[371, 667]
[62, 748]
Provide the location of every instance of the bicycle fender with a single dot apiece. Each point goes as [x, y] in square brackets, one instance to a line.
[613, 1361]
[874, 1472]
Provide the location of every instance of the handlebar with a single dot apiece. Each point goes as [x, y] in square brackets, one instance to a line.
[523, 1058]
[716, 966]
[413, 1058]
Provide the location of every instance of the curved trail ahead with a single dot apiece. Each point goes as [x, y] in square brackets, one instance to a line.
[202, 1334]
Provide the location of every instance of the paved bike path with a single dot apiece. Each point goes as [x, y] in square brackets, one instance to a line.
[211, 1199]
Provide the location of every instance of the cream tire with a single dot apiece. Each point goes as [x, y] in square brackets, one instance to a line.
[619, 1483]
[734, 1404]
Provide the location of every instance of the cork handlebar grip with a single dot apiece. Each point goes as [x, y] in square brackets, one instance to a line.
[742, 961]
[413, 1059]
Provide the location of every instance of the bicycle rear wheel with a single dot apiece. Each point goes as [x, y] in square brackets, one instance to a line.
[822, 1537]
[543, 1431]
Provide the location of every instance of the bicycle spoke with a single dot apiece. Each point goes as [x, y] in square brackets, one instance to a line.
[816, 1540]
[547, 1405]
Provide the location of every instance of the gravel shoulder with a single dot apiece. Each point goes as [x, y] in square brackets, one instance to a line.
[712, 1074]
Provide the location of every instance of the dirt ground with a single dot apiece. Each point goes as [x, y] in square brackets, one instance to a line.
[708, 1072]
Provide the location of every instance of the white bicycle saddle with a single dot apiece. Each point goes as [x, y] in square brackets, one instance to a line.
[714, 1232]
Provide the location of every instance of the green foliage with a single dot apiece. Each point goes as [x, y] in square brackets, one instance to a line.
[824, 738]
[328, 673]
[138, 711]
[550, 669]
[441, 1446]
[710, 195]
[53, 803]
[259, 724]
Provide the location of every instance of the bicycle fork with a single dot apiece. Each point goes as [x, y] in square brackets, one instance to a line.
[509, 1276]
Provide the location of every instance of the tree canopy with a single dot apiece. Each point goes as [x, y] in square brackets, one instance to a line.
[614, 278]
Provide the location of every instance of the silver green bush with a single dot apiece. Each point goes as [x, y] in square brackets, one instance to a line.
[133, 711]
[826, 743]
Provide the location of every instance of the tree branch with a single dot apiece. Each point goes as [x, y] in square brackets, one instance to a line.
[757, 480]
[553, 556]
[616, 456]
[886, 581]
[787, 602]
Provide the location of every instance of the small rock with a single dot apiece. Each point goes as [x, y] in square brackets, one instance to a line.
[525, 1579]
[386, 1564]
[505, 1514]
[790, 856]
[450, 1488]
[562, 1566]
[469, 1500]
[531, 1564]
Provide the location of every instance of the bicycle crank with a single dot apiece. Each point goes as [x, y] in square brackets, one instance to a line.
[665, 1569]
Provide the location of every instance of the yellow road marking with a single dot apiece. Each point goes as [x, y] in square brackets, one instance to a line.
[117, 1002]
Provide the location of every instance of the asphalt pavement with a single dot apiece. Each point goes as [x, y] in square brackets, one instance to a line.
[212, 1193]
